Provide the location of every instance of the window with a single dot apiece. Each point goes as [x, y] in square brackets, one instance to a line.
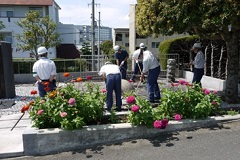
[126, 35]
[155, 44]
[9, 13]
[118, 37]
[38, 9]
[126, 44]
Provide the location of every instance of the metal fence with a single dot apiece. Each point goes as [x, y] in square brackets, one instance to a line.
[87, 64]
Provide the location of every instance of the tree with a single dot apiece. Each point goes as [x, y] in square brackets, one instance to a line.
[86, 49]
[37, 31]
[1, 27]
[206, 18]
[107, 47]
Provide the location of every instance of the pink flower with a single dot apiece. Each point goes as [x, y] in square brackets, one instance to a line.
[42, 101]
[71, 101]
[164, 123]
[103, 90]
[214, 103]
[206, 91]
[130, 81]
[135, 108]
[63, 114]
[157, 124]
[40, 112]
[73, 80]
[174, 84]
[177, 117]
[182, 82]
[215, 91]
[89, 77]
[130, 99]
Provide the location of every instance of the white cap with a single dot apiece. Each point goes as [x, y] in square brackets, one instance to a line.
[142, 45]
[42, 50]
[108, 62]
[197, 45]
[116, 48]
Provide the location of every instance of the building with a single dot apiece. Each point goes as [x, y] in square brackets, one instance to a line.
[13, 10]
[121, 37]
[86, 34]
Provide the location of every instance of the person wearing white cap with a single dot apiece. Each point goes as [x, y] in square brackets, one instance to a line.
[111, 74]
[198, 63]
[44, 70]
[138, 62]
[121, 57]
[151, 67]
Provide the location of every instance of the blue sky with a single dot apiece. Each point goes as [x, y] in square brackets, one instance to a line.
[114, 13]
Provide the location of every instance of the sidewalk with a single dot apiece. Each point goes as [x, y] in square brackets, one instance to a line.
[11, 141]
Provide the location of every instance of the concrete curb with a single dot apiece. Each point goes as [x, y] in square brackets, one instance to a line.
[47, 141]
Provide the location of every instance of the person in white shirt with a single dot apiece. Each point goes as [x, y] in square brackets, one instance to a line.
[138, 62]
[111, 74]
[44, 70]
[151, 67]
[198, 63]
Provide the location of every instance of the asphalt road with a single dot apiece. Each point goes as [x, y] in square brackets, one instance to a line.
[220, 142]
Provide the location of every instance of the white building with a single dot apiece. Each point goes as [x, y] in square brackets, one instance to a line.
[12, 11]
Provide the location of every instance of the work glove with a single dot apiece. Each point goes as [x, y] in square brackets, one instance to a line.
[122, 63]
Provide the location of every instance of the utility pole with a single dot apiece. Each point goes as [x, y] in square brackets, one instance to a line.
[93, 34]
[99, 41]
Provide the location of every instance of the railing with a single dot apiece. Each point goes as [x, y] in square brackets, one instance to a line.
[86, 64]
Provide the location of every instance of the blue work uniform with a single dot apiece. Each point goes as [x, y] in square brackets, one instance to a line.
[121, 57]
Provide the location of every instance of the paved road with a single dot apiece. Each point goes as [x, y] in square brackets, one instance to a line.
[220, 142]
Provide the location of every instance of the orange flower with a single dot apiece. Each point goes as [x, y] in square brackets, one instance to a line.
[66, 74]
[79, 79]
[46, 84]
[25, 108]
[33, 92]
[47, 89]
[31, 103]
[52, 94]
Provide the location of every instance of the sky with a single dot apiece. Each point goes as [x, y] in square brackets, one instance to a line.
[113, 13]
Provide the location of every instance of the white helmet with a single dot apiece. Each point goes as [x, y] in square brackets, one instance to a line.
[142, 45]
[197, 45]
[42, 50]
[116, 48]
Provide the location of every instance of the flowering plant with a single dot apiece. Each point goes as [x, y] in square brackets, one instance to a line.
[188, 100]
[68, 107]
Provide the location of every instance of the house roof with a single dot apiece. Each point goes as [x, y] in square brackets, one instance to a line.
[27, 2]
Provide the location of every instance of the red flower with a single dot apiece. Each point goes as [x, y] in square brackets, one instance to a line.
[24, 98]
[66, 74]
[130, 99]
[46, 84]
[182, 82]
[25, 108]
[130, 81]
[89, 77]
[33, 92]
[47, 89]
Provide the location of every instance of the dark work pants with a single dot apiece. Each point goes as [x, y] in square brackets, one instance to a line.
[198, 74]
[123, 70]
[113, 83]
[137, 69]
[152, 85]
[41, 87]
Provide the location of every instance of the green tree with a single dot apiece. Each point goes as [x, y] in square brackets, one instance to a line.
[37, 31]
[1, 27]
[86, 49]
[206, 18]
[107, 47]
